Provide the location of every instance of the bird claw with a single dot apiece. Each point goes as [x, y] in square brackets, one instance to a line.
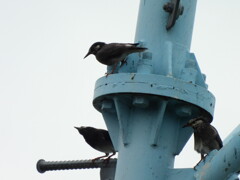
[106, 161]
[123, 62]
[107, 74]
[98, 158]
[195, 167]
[201, 160]
[93, 160]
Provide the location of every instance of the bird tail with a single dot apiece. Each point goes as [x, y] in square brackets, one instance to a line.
[138, 49]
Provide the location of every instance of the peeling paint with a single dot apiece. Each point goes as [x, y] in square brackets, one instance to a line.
[133, 76]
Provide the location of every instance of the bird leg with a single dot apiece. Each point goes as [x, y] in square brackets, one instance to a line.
[123, 62]
[202, 158]
[109, 157]
[113, 69]
[106, 155]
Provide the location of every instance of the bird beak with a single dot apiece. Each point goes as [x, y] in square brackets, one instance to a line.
[186, 125]
[87, 54]
[76, 128]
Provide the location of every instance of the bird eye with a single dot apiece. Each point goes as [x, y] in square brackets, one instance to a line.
[98, 46]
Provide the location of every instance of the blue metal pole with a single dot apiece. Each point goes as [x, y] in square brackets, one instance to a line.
[147, 102]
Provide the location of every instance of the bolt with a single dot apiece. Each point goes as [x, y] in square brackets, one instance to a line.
[168, 7]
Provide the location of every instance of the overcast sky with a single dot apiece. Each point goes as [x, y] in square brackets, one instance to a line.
[46, 87]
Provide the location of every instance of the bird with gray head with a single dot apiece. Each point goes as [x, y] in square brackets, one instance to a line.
[206, 137]
[98, 139]
[113, 53]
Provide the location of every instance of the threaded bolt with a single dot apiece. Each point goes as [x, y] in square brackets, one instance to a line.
[43, 166]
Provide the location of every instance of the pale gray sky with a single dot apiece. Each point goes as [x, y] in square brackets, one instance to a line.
[46, 87]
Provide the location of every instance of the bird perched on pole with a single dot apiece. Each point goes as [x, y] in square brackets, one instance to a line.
[113, 53]
[206, 137]
[98, 139]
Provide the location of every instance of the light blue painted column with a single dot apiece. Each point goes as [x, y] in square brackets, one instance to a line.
[146, 103]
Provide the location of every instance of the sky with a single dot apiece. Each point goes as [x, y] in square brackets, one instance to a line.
[46, 88]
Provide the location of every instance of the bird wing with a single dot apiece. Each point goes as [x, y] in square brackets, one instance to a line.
[115, 50]
[217, 137]
[105, 135]
[118, 51]
[212, 132]
[219, 141]
[197, 142]
[104, 138]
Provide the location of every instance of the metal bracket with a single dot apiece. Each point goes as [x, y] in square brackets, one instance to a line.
[175, 10]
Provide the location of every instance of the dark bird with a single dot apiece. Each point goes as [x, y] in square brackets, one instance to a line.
[206, 137]
[98, 139]
[113, 53]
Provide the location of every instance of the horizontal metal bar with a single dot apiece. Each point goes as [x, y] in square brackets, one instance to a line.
[43, 166]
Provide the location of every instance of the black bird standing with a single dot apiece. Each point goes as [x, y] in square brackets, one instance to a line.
[98, 139]
[113, 53]
[206, 137]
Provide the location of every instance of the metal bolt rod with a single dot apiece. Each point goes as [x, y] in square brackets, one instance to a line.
[43, 166]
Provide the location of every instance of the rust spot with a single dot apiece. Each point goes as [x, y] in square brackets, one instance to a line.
[224, 159]
[133, 76]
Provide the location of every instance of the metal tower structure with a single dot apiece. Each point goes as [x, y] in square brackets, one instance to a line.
[146, 103]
